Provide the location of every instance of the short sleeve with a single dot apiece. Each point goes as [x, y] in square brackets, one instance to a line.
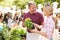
[41, 18]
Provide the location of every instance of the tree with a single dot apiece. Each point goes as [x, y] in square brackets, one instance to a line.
[6, 3]
[21, 3]
[1, 0]
[39, 1]
[58, 2]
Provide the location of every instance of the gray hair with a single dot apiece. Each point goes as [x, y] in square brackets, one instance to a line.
[31, 3]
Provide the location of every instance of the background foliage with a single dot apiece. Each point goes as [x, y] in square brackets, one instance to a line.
[22, 3]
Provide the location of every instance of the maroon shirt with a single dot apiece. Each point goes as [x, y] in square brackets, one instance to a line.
[36, 17]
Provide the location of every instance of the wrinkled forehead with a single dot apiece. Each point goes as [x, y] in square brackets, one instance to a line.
[32, 5]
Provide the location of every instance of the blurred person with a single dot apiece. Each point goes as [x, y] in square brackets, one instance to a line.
[1, 17]
[1, 26]
[49, 24]
[20, 22]
[10, 14]
[16, 17]
[6, 17]
[10, 21]
[0, 14]
[58, 21]
[22, 15]
[36, 17]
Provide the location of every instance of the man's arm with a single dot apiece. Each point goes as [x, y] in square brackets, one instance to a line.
[37, 26]
[40, 27]
[41, 18]
[31, 30]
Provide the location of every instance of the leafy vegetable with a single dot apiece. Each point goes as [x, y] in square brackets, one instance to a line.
[13, 34]
[5, 32]
[28, 23]
[17, 32]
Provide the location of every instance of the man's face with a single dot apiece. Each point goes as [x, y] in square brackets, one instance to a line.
[33, 8]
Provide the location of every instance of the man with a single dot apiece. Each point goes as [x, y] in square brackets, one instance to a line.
[36, 18]
[49, 24]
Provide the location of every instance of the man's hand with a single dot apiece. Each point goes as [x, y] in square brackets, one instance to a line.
[37, 26]
[34, 31]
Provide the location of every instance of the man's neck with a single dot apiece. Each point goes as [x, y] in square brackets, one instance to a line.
[32, 12]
